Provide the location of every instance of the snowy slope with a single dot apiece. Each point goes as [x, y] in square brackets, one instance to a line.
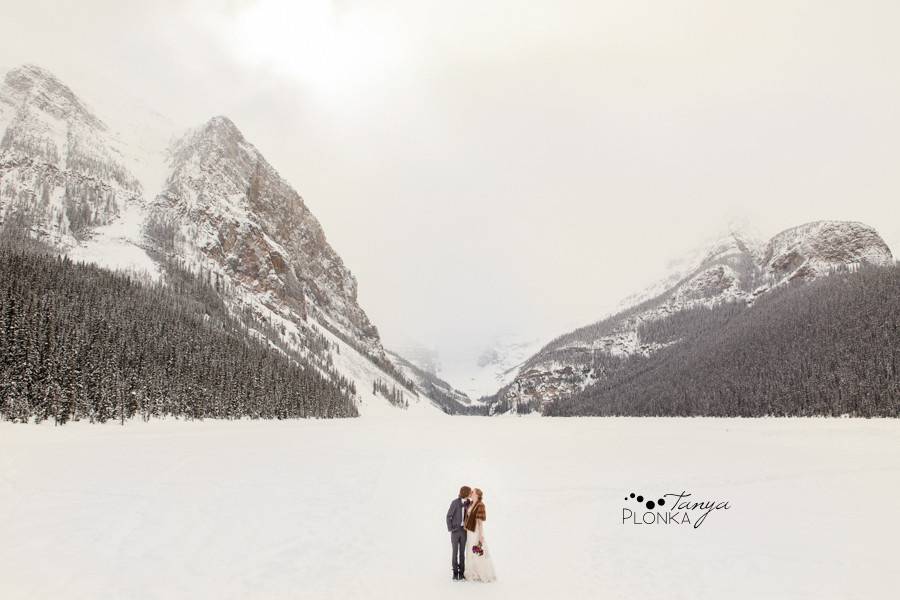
[61, 171]
[119, 245]
[350, 363]
[736, 241]
[448, 398]
[141, 137]
[735, 268]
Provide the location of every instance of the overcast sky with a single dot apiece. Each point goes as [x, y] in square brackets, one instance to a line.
[507, 166]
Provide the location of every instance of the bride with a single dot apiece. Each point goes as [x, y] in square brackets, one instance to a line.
[479, 566]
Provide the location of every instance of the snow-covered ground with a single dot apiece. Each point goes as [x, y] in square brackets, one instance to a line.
[355, 508]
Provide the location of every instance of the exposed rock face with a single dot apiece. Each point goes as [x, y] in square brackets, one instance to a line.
[814, 249]
[734, 269]
[226, 206]
[60, 172]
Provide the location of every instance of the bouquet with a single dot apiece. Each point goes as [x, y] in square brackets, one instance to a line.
[478, 550]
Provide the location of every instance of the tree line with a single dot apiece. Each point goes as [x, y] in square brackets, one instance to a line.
[391, 393]
[829, 347]
[78, 342]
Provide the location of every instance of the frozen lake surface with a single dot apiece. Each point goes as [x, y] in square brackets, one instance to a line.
[355, 508]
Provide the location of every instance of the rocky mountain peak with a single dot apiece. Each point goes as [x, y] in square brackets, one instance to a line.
[33, 85]
[814, 249]
[222, 122]
[221, 130]
[61, 173]
[217, 139]
[234, 210]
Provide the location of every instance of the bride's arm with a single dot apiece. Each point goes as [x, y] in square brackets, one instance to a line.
[480, 528]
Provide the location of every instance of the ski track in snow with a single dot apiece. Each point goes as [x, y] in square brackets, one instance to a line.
[355, 508]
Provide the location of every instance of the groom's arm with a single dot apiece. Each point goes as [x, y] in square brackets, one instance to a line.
[450, 517]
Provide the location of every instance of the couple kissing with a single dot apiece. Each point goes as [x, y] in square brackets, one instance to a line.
[465, 522]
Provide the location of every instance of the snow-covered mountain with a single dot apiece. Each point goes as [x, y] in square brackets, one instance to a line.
[225, 208]
[476, 371]
[450, 399]
[495, 366]
[61, 172]
[217, 209]
[735, 268]
[815, 249]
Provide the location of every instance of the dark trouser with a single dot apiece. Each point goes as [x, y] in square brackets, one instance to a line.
[458, 543]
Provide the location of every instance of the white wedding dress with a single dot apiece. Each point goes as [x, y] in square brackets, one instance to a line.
[478, 568]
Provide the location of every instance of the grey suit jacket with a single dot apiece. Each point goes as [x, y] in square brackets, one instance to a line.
[455, 514]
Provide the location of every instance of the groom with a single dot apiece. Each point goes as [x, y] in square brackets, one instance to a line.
[456, 525]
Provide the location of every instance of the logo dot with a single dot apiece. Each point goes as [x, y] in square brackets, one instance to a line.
[632, 494]
[650, 504]
[661, 502]
[640, 498]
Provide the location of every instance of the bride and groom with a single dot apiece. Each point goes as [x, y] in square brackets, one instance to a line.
[465, 522]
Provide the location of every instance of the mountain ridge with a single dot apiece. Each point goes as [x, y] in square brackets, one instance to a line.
[223, 213]
[732, 270]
